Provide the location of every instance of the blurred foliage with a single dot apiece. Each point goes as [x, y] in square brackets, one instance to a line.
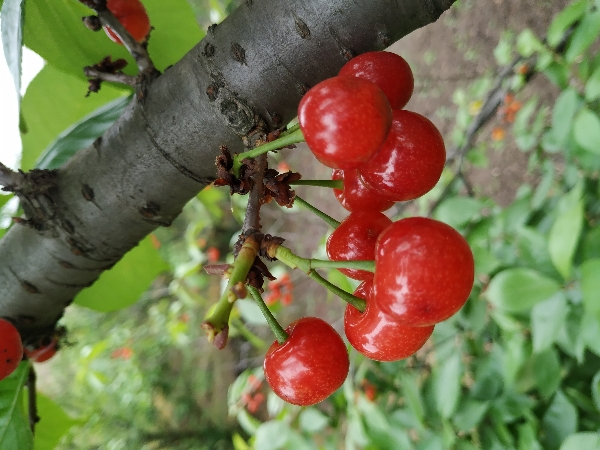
[517, 368]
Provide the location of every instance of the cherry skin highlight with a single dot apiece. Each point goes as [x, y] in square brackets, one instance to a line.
[356, 195]
[310, 365]
[11, 348]
[132, 15]
[345, 120]
[424, 271]
[387, 70]
[410, 161]
[377, 335]
[354, 239]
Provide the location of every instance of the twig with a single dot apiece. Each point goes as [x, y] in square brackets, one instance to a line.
[119, 77]
[32, 399]
[9, 177]
[252, 217]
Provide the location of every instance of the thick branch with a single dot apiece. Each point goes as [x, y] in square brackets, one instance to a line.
[254, 66]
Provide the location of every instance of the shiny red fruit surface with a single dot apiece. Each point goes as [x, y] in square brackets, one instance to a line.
[11, 348]
[387, 70]
[310, 366]
[410, 161]
[379, 336]
[354, 239]
[424, 271]
[132, 15]
[356, 195]
[44, 352]
[345, 120]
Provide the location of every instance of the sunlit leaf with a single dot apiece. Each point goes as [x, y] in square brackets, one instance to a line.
[13, 12]
[14, 426]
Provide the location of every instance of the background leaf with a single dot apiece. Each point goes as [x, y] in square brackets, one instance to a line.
[53, 424]
[519, 289]
[584, 35]
[582, 441]
[13, 12]
[14, 426]
[447, 385]
[590, 285]
[587, 130]
[559, 421]
[565, 19]
[547, 318]
[53, 29]
[122, 285]
[565, 232]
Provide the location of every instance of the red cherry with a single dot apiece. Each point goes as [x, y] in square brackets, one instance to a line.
[424, 271]
[310, 365]
[356, 195]
[354, 239]
[132, 15]
[410, 161]
[44, 352]
[345, 120]
[377, 335]
[387, 70]
[11, 348]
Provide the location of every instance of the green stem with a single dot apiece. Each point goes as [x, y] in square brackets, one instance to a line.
[277, 329]
[330, 220]
[335, 184]
[289, 139]
[368, 265]
[290, 130]
[257, 342]
[286, 256]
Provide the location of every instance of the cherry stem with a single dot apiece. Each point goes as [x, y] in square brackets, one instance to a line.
[286, 256]
[290, 130]
[277, 329]
[289, 139]
[254, 340]
[330, 220]
[335, 184]
[219, 319]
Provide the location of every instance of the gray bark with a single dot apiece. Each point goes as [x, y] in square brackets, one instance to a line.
[256, 64]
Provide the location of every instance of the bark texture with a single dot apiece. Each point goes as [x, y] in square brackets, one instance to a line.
[253, 67]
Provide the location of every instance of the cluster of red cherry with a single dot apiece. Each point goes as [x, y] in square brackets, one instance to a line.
[424, 269]
[12, 350]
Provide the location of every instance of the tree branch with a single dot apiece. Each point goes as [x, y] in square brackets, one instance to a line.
[161, 152]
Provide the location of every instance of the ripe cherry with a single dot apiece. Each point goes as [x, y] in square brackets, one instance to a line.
[387, 70]
[354, 239]
[132, 15]
[356, 195]
[424, 271]
[310, 365]
[410, 161]
[46, 350]
[11, 348]
[345, 120]
[377, 335]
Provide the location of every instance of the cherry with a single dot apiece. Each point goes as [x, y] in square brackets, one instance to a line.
[410, 161]
[354, 239]
[356, 195]
[310, 365]
[344, 120]
[424, 271]
[377, 335]
[44, 352]
[11, 348]
[387, 70]
[132, 15]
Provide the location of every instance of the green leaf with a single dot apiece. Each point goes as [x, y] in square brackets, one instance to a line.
[53, 424]
[533, 251]
[81, 135]
[272, 435]
[412, 395]
[586, 131]
[52, 103]
[447, 385]
[528, 43]
[584, 35]
[582, 441]
[458, 211]
[590, 285]
[53, 29]
[527, 437]
[250, 312]
[312, 420]
[14, 426]
[590, 244]
[565, 232]
[526, 133]
[564, 110]
[547, 317]
[559, 421]
[519, 289]
[596, 390]
[13, 13]
[589, 335]
[592, 86]
[564, 20]
[123, 285]
[469, 414]
[547, 372]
